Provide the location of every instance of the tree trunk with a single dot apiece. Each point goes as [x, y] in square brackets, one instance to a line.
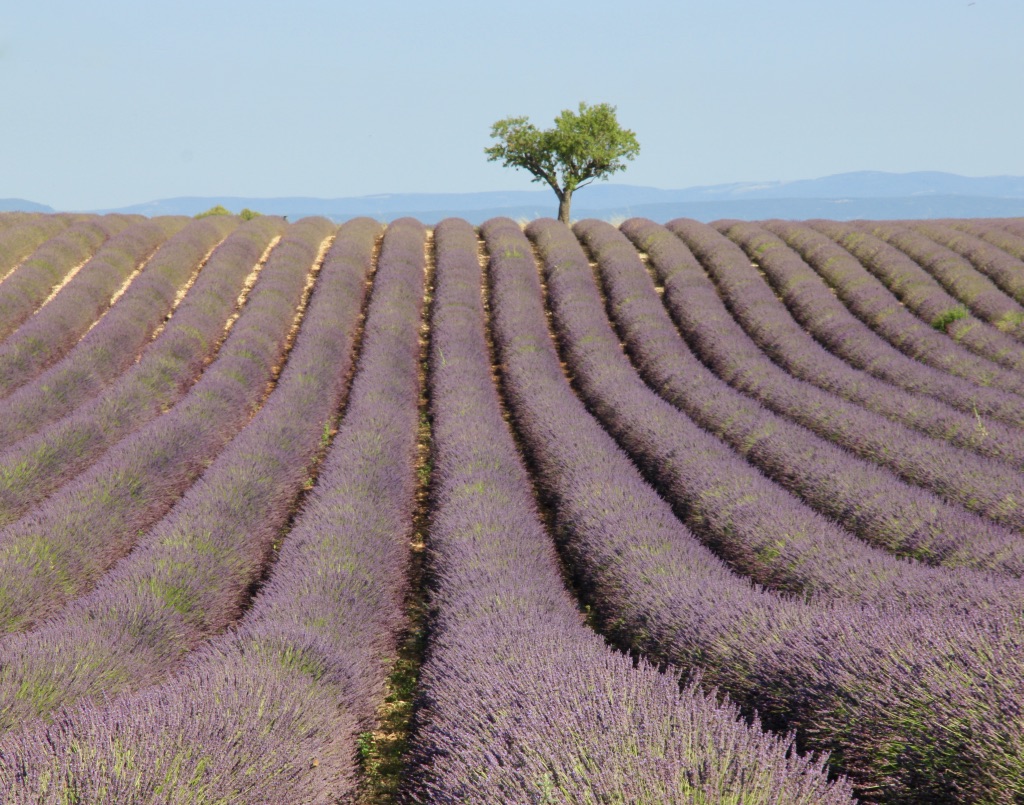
[564, 201]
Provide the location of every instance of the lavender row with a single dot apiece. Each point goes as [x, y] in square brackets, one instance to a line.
[59, 551]
[56, 328]
[271, 711]
[991, 232]
[31, 283]
[982, 485]
[1005, 270]
[519, 701]
[869, 300]
[1012, 225]
[917, 708]
[815, 306]
[115, 343]
[40, 463]
[24, 233]
[760, 529]
[937, 285]
[767, 321]
[188, 577]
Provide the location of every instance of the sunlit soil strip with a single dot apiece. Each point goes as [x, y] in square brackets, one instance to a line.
[124, 287]
[50, 226]
[382, 751]
[60, 285]
[183, 291]
[314, 272]
[247, 286]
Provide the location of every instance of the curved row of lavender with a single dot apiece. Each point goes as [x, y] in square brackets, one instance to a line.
[760, 529]
[915, 708]
[974, 241]
[986, 487]
[519, 701]
[188, 577]
[1012, 225]
[34, 279]
[869, 300]
[22, 234]
[815, 306]
[991, 232]
[59, 551]
[116, 342]
[54, 329]
[39, 463]
[271, 712]
[883, 248]
[752, 302]
[964, 286]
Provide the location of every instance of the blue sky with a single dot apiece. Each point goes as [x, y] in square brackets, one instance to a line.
[112, 102]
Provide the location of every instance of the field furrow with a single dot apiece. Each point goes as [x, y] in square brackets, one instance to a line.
[992, 233]
[513, 514]
[760, 529]
[985, 487]
[22, 234]
[59, 551]
[189, 576]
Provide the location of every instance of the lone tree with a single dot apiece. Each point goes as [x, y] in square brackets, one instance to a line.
[582, 147]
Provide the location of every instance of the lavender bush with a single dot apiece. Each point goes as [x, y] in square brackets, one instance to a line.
[979, 484]
[188, 576]
[39, 464]
[815, 306]
[756, 526]
[23, 233]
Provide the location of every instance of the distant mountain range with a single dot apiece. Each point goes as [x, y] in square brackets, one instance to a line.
[865, 194]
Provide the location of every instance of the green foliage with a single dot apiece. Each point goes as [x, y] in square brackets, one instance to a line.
[583, 146]
[216, 210]
[245, 215]
[947, 317]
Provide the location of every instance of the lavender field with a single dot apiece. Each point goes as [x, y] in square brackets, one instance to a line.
[600, 515]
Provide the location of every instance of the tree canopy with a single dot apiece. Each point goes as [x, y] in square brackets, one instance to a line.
[582, 147]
